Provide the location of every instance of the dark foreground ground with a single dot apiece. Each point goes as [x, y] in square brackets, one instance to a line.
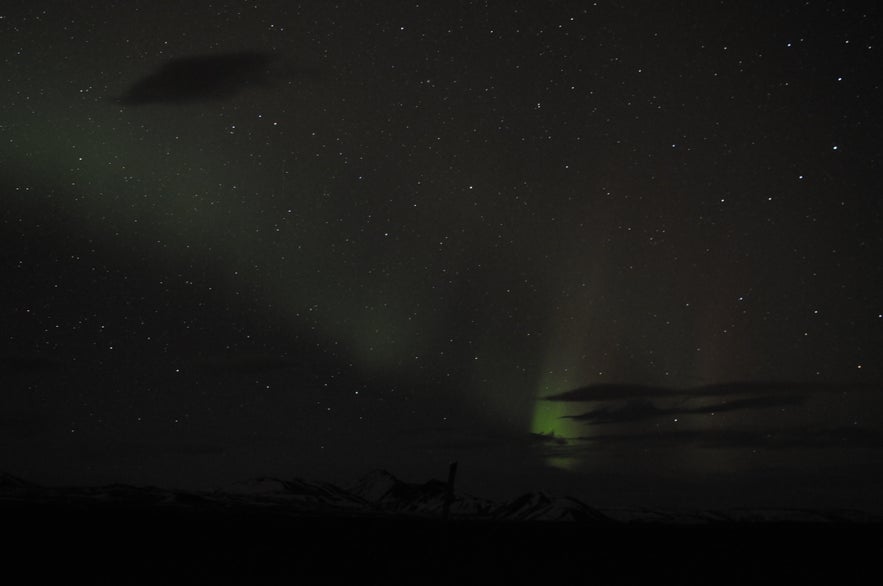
[165, 545]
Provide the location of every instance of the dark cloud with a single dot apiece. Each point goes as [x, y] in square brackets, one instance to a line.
[201, 78]
[840, 437]
[636, 410]
[608, 392]
[612, 391]
[547, 438]
[639, 410]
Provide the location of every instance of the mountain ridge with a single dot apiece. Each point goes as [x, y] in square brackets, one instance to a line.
[380, 493]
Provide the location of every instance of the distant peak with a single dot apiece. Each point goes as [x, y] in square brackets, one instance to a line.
[8, 481]
[380, 474]
[260, 484]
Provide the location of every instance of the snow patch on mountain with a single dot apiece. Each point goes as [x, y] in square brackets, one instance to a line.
[381, 493]
[14, 484]
[375, 485]
[539, 506]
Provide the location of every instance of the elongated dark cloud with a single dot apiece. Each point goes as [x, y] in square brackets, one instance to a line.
[201, 78]
[839, 437]
[547, 438]
[639, 410]
[609, 392]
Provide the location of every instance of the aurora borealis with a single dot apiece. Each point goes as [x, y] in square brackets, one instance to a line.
[312, 239]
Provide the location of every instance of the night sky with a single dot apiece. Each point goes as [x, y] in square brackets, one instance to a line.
[629, 251]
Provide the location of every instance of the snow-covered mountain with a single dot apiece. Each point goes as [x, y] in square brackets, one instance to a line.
[375, 485]
[294, 493]
[10, 484]
[380, 493]
[539, 506]
[13, 489]
[389, 494]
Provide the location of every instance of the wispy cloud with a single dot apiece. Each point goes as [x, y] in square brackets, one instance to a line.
[200, 78]
[547, 438]
[840, 437]
[625, 407]
[608, 392]
[641, 409]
